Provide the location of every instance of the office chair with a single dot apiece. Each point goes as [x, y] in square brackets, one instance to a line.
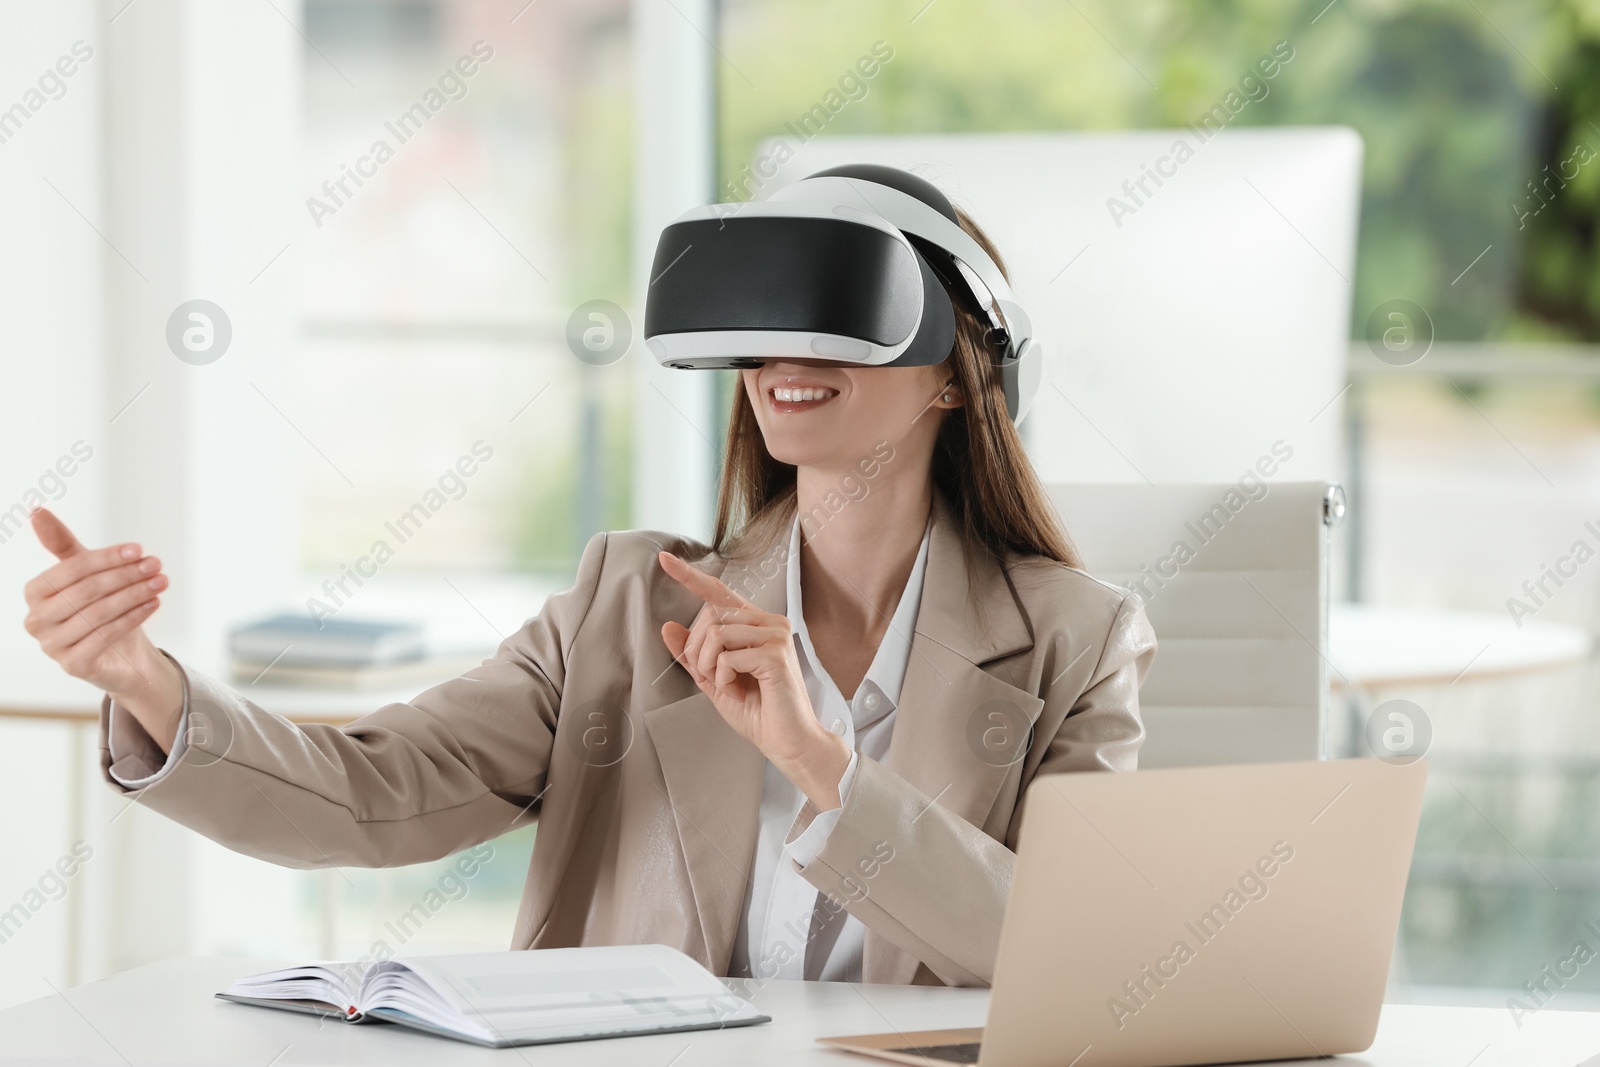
[1237, 591]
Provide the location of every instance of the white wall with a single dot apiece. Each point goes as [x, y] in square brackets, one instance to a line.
[51, 380]
[164, 172]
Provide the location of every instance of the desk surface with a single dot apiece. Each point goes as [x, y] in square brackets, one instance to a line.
[165, 1011]
[1372, 645]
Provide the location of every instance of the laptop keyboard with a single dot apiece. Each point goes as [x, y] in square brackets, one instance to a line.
[966, 1052]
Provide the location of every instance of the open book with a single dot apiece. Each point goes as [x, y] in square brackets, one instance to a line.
[500, 999]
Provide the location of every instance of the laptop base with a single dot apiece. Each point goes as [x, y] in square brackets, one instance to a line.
[924, 1048]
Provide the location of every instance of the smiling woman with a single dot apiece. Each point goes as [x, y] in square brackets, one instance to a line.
[806, 715]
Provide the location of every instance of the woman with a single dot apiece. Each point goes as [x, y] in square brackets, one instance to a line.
[888, 639]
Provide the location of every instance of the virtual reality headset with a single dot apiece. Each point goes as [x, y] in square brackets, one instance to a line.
[844, 267]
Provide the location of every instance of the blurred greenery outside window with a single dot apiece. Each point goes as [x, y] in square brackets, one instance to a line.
[434, 304]
[435, 298]
[1458, 105]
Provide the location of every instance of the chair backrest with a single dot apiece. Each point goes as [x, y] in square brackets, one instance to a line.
[1234, 578]
[1153, 367]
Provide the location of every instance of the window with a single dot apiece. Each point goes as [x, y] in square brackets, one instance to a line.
[1469, 472]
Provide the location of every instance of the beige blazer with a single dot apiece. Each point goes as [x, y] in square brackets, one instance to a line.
[647, 801]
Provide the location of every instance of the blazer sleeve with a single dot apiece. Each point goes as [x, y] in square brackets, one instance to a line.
[460, 763]
[942, 894]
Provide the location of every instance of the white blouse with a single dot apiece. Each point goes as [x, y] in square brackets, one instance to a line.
[787, 931]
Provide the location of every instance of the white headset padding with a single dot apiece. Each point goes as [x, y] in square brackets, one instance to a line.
[906, 213]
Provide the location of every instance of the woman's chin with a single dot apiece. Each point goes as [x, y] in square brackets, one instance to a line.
[812, 453]
[796, 457]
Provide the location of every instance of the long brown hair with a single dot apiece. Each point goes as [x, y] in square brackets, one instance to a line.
[979, 464]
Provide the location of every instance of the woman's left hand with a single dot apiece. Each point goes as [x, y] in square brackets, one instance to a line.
[743, 658]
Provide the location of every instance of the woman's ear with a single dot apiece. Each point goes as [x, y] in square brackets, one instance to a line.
[950, 396]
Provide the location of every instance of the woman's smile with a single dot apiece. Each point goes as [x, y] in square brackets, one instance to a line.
[792, 394]
[787, 399]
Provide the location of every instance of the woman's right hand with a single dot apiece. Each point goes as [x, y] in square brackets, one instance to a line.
[87, 613]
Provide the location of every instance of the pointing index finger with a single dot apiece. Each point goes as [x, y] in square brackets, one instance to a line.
[53, 534]
[701, 584]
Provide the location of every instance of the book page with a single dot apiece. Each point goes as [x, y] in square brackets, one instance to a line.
[330, 982]
[552, 994]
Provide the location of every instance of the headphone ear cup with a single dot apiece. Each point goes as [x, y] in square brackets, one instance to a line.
[936, 333]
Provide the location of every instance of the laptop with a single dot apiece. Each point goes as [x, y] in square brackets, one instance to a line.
[1192, 916]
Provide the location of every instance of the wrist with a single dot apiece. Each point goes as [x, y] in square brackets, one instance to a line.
[153, 696]
[818, 771]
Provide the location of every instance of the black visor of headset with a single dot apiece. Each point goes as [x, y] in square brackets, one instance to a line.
[844, 266]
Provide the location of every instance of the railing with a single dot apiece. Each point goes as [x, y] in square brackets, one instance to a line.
[1451, 361]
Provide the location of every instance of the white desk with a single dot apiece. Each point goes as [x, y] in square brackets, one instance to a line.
[1372, 646]
[165, 1012]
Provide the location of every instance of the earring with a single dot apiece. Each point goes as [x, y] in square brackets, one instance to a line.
[948, 399]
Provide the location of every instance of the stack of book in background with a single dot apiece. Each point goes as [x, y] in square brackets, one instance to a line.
[297, 650]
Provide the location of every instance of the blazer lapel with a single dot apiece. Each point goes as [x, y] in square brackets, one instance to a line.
[713, 781]
[959, 735]
[960, 732]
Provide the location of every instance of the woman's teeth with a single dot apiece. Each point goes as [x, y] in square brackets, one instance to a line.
[791, 396]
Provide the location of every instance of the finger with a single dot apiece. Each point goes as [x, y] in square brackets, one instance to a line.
[701, 584]
[705, 659]
[737, 662]
[54, 535]
[710, 616]
[673, 635]
[81, 656]
[697, 634]
[726, 674]
[750, 616]
[676, 638]
[80, 624]
[748, 660]
[75, 566]
[742, 636]
[102, 584]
